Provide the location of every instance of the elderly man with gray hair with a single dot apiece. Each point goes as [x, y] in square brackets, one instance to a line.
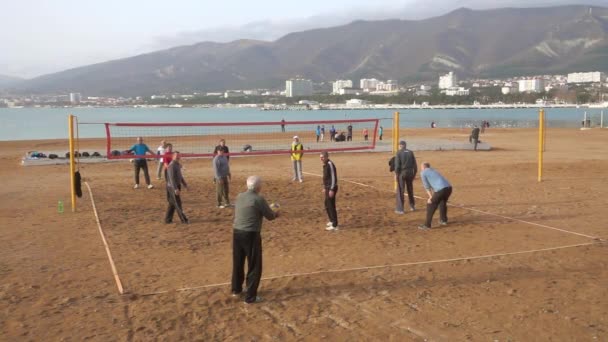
[250, 210]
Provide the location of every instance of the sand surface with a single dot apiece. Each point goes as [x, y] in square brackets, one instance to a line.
[56, 282]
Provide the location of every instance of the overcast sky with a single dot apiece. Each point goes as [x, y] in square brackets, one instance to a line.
[43, 36]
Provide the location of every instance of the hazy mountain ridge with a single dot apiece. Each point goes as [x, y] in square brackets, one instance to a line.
[502, 42]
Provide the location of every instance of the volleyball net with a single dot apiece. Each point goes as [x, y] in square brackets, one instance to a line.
[243, 138]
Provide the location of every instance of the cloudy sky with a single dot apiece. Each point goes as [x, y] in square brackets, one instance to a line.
[44, 36]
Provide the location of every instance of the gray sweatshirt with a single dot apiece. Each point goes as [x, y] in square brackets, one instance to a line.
[174, 176]
[250, 210]
[220, 167]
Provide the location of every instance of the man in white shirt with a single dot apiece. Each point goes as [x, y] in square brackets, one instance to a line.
[160, 152]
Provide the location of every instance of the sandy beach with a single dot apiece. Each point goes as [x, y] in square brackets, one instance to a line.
[519, 261]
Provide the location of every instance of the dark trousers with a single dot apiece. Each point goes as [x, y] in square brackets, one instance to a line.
[175, 204]
[439, 199]
[474, 140]
[349, 138]
[330, 207]
[405, 182]
[246, 245]
[139, 164]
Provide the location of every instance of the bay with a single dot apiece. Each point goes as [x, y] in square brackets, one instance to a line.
[51, 123]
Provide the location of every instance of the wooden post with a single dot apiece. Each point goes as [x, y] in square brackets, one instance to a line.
[541, 133]
[395, 139]
[72, 162]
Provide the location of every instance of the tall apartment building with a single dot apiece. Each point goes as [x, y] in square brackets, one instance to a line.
[298, 87]
[341, 84]
[368, 84]
[586, 77]
[448, 81]
[75, 97]
[533, 85]
[390, 85]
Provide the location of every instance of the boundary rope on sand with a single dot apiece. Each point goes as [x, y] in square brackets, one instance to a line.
[476, 210]
[364, 268]
[105, 243]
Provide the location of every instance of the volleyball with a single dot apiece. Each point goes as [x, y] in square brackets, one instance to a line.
[275, 206]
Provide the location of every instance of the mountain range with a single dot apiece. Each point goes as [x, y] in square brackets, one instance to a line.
[488, 43]
[7, 81]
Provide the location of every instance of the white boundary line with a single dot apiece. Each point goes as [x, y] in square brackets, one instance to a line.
[487, 256]
[105, 243]
[477, 210]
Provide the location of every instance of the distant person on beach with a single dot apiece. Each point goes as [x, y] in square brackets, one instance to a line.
[318, 132]
[140, 149]
[474, 137]
[250, 210]
[167, 157]
[340, 137]
[483, 126]
[175, 180]
[222, 146]
[405, 172]
[439, 191]
[283, 125]
[297, 150]
[380, 132]
[365, 134]
[221, 173]
[247, 148]
[160, 152]
[349, 132]
[322, 133]
[433, 124]
[330, 189]
[332, 133]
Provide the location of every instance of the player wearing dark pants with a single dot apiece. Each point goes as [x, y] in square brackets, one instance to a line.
[250, 210]
[474, 137]
[439, 190]
[405, 172]
[140, 149]
[175, 180]
[330, 188]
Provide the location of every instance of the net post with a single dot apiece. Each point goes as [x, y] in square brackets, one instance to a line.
[544, 131]
[602, 119]
[395, 139]
[72, 161]
[541, 134]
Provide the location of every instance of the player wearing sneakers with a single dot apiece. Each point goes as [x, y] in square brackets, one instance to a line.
[250, 210]
[140, 149]
[330, 188]
[405, 172]
[439, 191]
[296, 158]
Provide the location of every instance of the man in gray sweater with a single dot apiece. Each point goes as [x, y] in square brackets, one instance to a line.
[221, 171]
[251, 208]
[175, 180]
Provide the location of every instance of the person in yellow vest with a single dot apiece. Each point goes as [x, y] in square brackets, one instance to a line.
[296, 158]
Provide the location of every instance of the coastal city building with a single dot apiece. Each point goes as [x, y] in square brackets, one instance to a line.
[368, 84]
[357, 102]
[233, 93]
[341, 84]
[75, 98]
[448, 81]
[350, 91]
[457, 91]
[531, 85]
[509, 89]
[298, 87]
[586, 77]
[390, 85]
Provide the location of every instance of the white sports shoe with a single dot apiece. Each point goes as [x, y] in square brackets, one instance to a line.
[329, 224]
[136, 186]
[150, 186]
[330, 228]
[301, 180]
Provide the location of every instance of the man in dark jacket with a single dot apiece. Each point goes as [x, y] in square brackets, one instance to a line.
[250, 211]
[330, 188]
[175, 180]
[222, 146]
[474, 137]
[405, 172]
